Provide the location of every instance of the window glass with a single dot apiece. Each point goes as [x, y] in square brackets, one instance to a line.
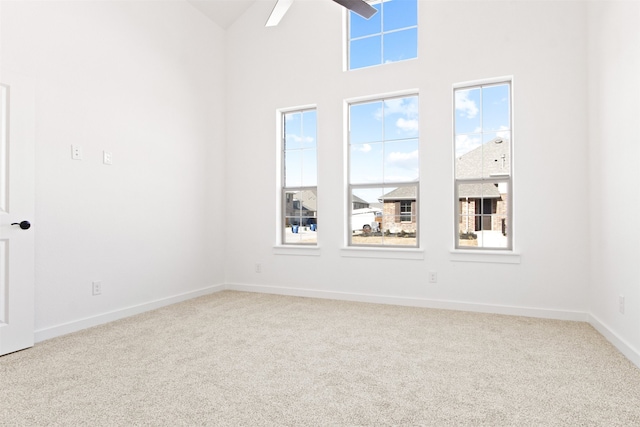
[390, 35]
[401, 161]
[495, 108]
[360, 26]
[384, 216]
[400, 45]
[400, 118]
[293, 168]
[299, 177]
[368, 126]
[400, 14]
[367, 163]
[384, 172]
[365, 52]
[483, 166]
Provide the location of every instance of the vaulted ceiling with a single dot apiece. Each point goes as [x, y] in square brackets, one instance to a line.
[223, 12]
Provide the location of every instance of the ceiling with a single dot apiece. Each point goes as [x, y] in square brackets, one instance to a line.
[223, 12]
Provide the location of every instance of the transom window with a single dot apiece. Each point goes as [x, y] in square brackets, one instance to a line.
[483, 160]
[299, 178]
[390, 35]
[384, 172]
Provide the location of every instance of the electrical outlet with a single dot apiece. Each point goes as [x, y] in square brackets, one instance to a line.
[76, 152]
[96, 288]
[258, 268]
[433, 277]
[621, 304]
[107, 158]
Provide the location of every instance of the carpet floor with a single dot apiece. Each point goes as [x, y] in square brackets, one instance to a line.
[248, 359]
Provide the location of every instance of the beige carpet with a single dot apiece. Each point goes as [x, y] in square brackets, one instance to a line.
[246, 359]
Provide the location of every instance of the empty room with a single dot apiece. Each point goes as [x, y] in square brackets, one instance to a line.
[319, 212]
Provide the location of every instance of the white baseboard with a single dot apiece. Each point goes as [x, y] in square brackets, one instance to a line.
[415, 302]
[631, 353]
[77, 325]
[624, 347]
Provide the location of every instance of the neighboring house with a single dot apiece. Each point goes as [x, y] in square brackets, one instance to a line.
[301, 207]
[483, 206]
[358, 203]
[400, 210]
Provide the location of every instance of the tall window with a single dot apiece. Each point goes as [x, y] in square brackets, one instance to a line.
[299, 177]
[388, 36]
[384, 172]
[483, 166]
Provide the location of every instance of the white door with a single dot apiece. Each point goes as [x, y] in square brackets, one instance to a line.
[16, 206]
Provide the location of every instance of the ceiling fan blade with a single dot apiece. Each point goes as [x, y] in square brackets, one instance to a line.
[360, 7]
[278, 12]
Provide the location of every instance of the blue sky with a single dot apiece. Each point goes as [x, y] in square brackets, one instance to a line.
[384, 143]
[388, 36]
[481, 114]
[301, 163]
[384, 135]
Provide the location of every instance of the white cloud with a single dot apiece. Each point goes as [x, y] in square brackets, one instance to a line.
[466, 143]
[464, 105]
[404, 160]
[403, 156]
[293, 138]
[365, 148]
[504, 133]
[407, 125]
[407, 107]
[298, 138]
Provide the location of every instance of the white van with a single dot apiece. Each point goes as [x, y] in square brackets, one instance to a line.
[366, 216]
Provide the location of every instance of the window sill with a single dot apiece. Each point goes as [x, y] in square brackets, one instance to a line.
[499, 257]
[296, 250]
[377, 252]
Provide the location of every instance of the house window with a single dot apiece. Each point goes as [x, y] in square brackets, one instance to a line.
[299, 178]
[390, 35]
[383, 172]
[483, 147]
[405, 211]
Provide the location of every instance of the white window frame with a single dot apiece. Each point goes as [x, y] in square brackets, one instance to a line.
[382, 33]
[459, 253]
[385, 251]
[282, 246]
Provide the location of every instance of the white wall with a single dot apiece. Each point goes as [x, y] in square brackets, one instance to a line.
[189, 202]
[542, 44]
[614, 130]
[145, 81]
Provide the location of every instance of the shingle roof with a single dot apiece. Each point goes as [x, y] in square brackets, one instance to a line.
[490, 159]
[400, 193]
[356, 199]
[477, 191]
[308, 199]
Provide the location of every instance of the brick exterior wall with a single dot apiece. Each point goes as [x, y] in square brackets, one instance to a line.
[468, 211]
[391, 218]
